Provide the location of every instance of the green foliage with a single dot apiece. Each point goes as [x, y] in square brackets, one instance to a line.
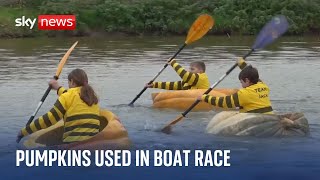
[248, 16]
[157, 16]
[7, 22]
[176, 16]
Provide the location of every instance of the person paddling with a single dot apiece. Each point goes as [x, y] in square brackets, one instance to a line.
[253, 98]
[196, 78]
[77, 106]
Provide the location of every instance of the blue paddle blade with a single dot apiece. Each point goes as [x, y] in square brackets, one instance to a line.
[271, 31]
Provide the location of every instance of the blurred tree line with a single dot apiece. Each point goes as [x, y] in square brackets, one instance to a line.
[175, 16]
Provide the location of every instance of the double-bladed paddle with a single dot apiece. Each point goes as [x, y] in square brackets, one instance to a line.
[270, 32]
[198, 29]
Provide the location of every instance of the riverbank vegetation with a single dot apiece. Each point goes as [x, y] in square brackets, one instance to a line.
[161, 17]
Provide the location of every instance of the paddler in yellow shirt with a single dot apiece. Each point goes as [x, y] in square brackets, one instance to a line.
[253, 98]
[196, 78]
[77, 106]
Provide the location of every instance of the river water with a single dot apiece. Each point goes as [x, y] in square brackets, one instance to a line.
[118, 68]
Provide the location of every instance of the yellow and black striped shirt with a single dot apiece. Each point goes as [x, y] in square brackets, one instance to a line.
[189, 80]
[81, 121]
[252, 99]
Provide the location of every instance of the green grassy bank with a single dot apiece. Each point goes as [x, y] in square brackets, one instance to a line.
[161, 17]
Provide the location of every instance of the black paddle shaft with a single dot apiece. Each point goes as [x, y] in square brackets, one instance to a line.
[164, 67]
[41, 101]
[214, 85]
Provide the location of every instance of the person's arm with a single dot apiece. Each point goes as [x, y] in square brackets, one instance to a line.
[187, 77]
[54, 84]
[241, 63]
[61, 90]
[178, 85]
[49, 119]
[225, 102]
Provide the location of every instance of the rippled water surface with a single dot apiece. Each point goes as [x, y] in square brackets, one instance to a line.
[118, 67]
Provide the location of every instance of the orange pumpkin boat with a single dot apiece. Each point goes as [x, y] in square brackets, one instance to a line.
[112, 135]
[182, 100]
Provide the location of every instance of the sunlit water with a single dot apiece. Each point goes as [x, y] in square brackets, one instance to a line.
[118, 68]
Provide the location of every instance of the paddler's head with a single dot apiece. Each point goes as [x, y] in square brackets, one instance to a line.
[77, 78]
[197, 67]
[248, 76]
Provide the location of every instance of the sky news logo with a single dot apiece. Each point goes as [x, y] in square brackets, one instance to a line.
[49, 22]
